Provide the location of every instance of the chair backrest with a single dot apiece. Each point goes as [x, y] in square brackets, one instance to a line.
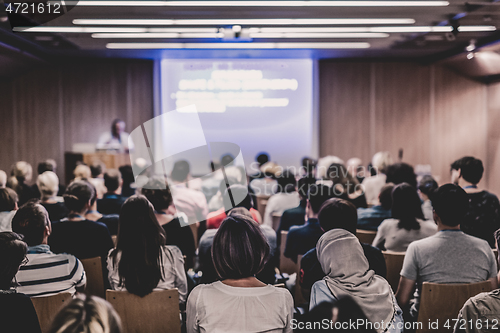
[286, 264]
[442, 303]
[394, 263]
[95, 283]
[156, 312]
[276, 221]
[366, 236]
[262, 203]
[47, 307]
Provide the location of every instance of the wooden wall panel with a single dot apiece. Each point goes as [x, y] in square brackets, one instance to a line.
[49, 110]
[344, 110]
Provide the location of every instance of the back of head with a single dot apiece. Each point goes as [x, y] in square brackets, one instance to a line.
[48, 184]
[78, 194]
[262, 158]
[13, 251]
[470, 168]
[87, 314]
[21, 172]
[385, 196]
[112, 179]
[427, 185]
[318, 195]
[140, 241]
[158, 193]
[337, 213]
[47, 165]
[401, 173]
[286, 182]
[239, 249]
[309, 165]
[303, 186]
[381, 161]
[8, 199]
[127, 174]
[31, 220]
[240, 211]
[237, 194]
[82, 171]
[180, 171]
[96, 169]
[3, 179]
[227, 160]
[451, 203]
[406, 206]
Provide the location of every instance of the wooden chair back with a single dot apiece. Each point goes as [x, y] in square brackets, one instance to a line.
[286, 264]
[276, 221]
[262, 203]
[95, 283]
[366, 236]
[394, 263]
[156, 312]
[47, 308]
[442, 303]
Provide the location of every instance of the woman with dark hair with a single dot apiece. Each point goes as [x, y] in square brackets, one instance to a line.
[345, 186]
[75, 234]
[17, 312]
[239, 302]
[407, 223]
[141, 262]
[158, 193]
[426, 188]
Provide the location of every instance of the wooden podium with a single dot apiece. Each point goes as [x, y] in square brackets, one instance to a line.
[110, 160]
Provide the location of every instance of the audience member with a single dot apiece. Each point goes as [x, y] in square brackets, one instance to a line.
[141, 262]
[110, 220]
[482, 310]
[45, 273]
[309, 168]
[399, 173]
[75, 234]
[324, 163]
[407, 224]
[301, 239]
[87, 314]
[341, 313]
[237, 194]
[158, 193]
[345, 186]
[267, 185]
[356, 170]
[128, 185]
[261, 159]
[373, 184]
[21, 174]
[239, 302]
[348, 274]
[285, 198]
[338, 214]
[426, 187]
[18, 313]
[49, 165]
[3, 179]
[187, 200]
[82, 172]
[112, 200]
[449, 256]
[8, 207]
[370, 218]
[483, 216]
[48, 186]
[297, 215]
[97, 170]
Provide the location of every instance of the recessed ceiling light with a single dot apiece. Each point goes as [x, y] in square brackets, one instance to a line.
[160, 35]
[476, 28]
[77, 29]
[331, 21]
[318, 35]
[237, 45]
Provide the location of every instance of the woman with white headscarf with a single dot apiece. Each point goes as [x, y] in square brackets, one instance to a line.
[347, 274]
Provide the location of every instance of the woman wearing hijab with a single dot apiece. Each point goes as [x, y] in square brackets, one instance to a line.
[347, 274]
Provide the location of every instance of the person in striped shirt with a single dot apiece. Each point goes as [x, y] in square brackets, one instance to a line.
[45, 273]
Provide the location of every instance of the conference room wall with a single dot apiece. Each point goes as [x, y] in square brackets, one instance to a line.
[44, 112]
[432, 113]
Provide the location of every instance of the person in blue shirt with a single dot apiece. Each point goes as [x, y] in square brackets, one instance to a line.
[301, 239]
[370, 218]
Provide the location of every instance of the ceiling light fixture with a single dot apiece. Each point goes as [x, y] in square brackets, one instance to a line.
[122, 46]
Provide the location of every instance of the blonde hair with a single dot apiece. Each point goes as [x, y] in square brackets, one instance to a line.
[82, 172]
[21, 172]
[48, 184]
[381, 161]
[87, 314]
[3, 179]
